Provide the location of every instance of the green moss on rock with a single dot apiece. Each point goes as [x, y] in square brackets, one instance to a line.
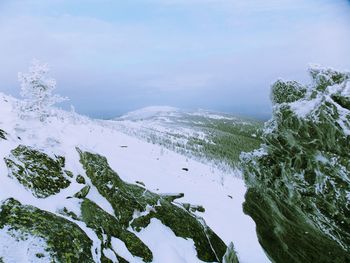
[286, 232]
[230, 256]
[69, 173]
[2, 134]
[210, 248]
[36, 171]
[298, 182]
[125, 198]
[129, 200]
[66, 242]
[103, 223]
[287, 91]
[193, 208]
[325, 77]
[80, 179]
[83, 192]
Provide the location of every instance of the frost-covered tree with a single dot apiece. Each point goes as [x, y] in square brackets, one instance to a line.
[37, 90]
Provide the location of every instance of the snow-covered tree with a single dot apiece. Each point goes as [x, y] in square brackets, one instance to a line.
[37, 91]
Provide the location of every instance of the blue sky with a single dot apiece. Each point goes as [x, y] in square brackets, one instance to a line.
[113, 56]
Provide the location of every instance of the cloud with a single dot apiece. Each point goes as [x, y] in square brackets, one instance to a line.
[115, 55]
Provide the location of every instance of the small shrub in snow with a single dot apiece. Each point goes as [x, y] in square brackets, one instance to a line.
[37, 91]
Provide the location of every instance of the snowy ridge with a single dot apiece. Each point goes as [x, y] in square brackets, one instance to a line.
[150, 112]
[209, 137]
[161, 170]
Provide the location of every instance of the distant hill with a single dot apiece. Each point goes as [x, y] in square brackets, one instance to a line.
[206, 135]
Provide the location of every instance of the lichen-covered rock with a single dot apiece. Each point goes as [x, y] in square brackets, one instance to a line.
[83, 192]
[80, 179]
[69, 173]
[325, 77]
[105, 224]
[66, 242]
[210, 248]
[2, 134]
[285, 92]
[135, 206]
[299, 181]
[230, 256]
[36, 171]
[193, 208]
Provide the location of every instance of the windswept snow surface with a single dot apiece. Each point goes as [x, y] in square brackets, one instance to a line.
[16, 247]
[222, 194]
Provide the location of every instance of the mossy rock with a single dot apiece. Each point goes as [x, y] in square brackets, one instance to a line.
[325, 77]
[128, 199]
[66, 242]
[210, 248]
[66, 212]
[2, 134]
[80, 179]
[83, 192]
[231, 255]
[105, 224]
[36, 171]
[287, 234]
[342, 100]
[298, 182]
[287, 91]
[125, 198]
[193, 208]
[69, 173]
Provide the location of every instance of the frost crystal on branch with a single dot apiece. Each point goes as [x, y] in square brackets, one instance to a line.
[37, 91]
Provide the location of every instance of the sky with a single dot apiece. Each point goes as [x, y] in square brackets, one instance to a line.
[111, 56]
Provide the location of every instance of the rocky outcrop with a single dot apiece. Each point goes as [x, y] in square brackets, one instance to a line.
[66, 242]
[134, 207]
[36, 171]
[2, 134]
[90, 235]
[299, 180]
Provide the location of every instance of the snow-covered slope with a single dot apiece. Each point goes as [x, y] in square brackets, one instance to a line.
[208, 136]
[34, 220]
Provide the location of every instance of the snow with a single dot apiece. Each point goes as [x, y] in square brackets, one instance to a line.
[209, 115]
[160, 170]
[166, 246]
[110, 255]
[346, 91]
[319, 157]
[305, 107]
[149, 112]
[120, 248]
[19, 247]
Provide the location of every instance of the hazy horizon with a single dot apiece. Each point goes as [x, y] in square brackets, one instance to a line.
[112, 57]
